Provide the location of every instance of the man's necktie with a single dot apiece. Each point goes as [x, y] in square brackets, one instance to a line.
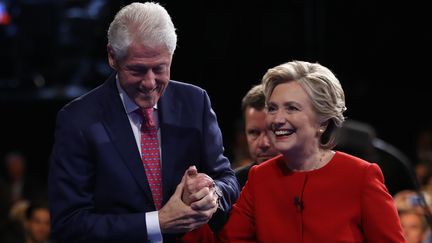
[150, 155]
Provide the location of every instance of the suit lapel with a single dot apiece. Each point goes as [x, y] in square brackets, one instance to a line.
[169, 116]
[120, 131]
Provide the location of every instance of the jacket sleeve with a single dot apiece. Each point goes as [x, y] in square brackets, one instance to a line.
[380, 220]
[217, 165]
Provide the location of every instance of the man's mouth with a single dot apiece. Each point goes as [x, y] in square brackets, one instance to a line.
[149, 91]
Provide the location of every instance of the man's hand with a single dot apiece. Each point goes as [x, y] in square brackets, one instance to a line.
[194, 184]
[177, 217]
[199, 190]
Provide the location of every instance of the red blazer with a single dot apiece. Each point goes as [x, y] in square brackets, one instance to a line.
[345, 201]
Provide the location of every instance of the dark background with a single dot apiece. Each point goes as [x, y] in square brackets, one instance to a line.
[53, 51]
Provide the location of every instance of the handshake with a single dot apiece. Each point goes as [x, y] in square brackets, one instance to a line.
[192, 205]
[197, 186]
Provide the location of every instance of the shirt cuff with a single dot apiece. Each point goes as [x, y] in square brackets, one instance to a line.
[153, 229]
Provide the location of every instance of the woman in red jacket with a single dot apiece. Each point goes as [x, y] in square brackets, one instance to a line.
[310, 193]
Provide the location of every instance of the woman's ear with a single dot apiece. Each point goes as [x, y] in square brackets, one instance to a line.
[323, 126]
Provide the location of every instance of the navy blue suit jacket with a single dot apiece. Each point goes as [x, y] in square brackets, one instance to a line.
[97, 185]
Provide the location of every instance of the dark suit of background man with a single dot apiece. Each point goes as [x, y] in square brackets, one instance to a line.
[254, 115]
[98, 186]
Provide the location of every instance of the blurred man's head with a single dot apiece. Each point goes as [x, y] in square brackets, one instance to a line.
[37, 223]
[15, 163]
[253, 105]
[414, 225]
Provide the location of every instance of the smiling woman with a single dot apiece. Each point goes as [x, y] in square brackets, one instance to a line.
[287, 198]
[306, 109]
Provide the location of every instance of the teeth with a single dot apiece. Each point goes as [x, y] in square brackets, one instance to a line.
[280, 133]
[284, 132]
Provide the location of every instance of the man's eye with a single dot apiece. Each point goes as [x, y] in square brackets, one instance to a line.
[137, 71]
[159, 69]
[253, 133]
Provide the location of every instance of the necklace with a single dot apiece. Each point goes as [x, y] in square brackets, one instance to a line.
[321, 162]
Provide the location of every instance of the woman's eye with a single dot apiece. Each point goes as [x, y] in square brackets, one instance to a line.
[291, 108]
[271, 108]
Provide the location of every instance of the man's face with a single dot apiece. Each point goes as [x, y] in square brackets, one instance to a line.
[143, 73]
[259, 145]
[38, 226]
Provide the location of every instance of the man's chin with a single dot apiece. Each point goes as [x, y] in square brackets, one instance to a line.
[146, 102]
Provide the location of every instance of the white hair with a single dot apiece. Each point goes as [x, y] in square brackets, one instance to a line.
[148, 23]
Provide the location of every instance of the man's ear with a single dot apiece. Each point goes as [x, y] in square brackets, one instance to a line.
[111, 58]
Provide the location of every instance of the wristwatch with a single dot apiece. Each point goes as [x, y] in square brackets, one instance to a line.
[219, 193]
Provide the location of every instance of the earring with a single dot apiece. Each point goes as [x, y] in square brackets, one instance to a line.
[321, 130]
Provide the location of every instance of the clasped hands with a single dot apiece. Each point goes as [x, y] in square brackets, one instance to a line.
[193, 203]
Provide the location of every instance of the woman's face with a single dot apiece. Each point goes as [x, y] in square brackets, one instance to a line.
[291, 120]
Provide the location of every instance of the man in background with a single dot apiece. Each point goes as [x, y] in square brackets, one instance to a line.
[260, 149]
[37, 223]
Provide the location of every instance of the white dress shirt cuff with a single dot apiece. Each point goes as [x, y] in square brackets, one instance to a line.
[153, 228]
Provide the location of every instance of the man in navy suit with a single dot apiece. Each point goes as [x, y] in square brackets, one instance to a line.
[259, 146]
[98, 188]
